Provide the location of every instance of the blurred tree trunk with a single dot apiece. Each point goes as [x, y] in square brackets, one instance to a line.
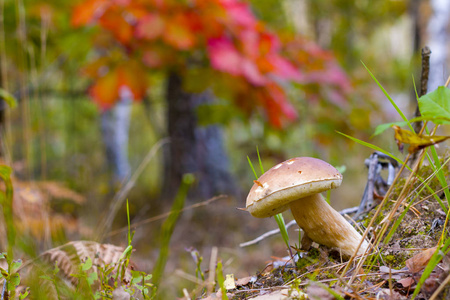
[115, 124]
[2, 125]
[438, 37]
[193, 149]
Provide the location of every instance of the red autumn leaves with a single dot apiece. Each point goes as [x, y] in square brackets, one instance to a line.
[168, 34]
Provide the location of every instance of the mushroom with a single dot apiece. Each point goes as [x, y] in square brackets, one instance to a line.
[296, 184]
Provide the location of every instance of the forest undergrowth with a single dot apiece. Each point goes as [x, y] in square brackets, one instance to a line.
[405, 221]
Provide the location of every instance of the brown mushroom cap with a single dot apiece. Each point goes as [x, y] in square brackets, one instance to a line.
[288, 181]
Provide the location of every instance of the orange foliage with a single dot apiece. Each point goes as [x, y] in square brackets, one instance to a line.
[221, 34]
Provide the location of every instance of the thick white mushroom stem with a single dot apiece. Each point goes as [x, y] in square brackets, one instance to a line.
[325, 226]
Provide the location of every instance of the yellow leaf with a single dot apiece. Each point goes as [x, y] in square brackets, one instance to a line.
[416, 141]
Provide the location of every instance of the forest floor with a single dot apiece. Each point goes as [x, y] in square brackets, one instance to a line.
[212, 232]
[264, 271]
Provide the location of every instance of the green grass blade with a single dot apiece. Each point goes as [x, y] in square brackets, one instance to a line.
[389, 97]
[260, 162]
[281, 224]
[169, 225]
[376, 148]
[251, 166]
[129, 224]
[436, 164]
[221, 280]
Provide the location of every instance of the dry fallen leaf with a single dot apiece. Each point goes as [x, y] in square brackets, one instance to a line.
[69, 256]
[406, 282]
[391, 273]
[391, 295]
[419, 261]
[229, 282]
[281, 295]
[245, 280]
[316, 292]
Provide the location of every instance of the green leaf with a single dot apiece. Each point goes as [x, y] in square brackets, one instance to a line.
[91, 278]
[14, 280]
[383, 127]
[5, 172]
[436, 105]
[15, 265]
[136, 277]
[87, 264]
[56, 269]
[8, 97]
[341, 169]
[24, 294]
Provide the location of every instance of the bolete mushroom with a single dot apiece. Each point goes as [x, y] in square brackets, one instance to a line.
[297, 184]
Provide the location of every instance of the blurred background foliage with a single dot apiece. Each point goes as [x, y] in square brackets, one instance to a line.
[54, 134]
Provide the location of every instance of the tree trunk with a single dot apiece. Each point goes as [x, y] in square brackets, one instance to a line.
[115, 124]
[438, 36]
[193, 149]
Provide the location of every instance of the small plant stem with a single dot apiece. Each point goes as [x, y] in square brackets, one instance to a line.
[168, 227]
[212, 267]
[447, 82]
[129, 224]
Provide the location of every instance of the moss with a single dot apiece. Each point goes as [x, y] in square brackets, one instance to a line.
[311, 258]
[369, 217]
[390, 259]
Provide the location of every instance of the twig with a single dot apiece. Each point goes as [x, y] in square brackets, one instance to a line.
[162, 216]
[426, 53]
[186, 294]
[265, 235]
[345, 211]
[350, 210]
